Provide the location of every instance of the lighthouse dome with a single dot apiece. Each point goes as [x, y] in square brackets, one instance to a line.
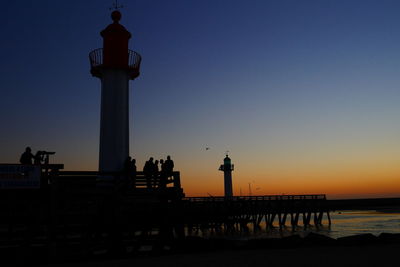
[227, 160]
[116, 30]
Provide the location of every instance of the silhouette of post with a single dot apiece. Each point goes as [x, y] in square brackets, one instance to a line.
[115, 65]
[227, 168]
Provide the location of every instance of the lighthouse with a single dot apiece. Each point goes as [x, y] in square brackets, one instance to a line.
[227, 168]
[115, 65]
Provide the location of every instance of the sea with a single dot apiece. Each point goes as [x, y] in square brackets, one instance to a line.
[344, 223]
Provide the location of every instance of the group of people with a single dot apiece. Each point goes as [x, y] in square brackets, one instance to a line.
[156, 172]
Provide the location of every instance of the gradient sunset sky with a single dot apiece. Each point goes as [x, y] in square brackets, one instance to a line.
[304, 94]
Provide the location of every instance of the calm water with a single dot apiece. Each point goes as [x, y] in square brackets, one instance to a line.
[347, 223]
[344, 223]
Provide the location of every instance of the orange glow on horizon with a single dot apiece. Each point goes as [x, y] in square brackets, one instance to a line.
[352, 186]
[360, 178]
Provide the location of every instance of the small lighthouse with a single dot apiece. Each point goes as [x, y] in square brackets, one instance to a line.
[114, 65]
[227, 168]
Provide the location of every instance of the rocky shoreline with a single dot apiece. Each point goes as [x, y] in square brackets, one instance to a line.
[312, 250]
[191, 244]
[195, 247]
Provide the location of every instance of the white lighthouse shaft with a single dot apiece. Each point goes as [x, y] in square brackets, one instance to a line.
[114, 120]
[228, 183]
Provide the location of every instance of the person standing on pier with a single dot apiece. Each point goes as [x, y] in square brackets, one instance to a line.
[163, 175]
[169, 166]
[133, 170]
[26, 157]
[162, 164]
[148, 170]
[155, 173]
[130, 171]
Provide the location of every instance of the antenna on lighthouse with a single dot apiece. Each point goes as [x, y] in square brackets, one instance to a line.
[116, 6]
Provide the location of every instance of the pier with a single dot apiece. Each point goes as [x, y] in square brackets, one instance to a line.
[72, 213]
[237, 213]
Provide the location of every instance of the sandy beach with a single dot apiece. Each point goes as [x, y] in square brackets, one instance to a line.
[365, 255]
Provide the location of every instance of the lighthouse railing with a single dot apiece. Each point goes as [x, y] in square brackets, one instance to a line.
[96, 59]
[134, 60]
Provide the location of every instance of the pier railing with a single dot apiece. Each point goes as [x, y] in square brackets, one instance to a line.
[257, 198]
[139, 180]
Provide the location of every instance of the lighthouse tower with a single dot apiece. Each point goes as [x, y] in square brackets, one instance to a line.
[227, 168]
[114, 65]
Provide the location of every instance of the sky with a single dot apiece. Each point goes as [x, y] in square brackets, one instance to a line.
[303, 94]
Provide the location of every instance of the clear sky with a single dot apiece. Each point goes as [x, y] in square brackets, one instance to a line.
[304, 94]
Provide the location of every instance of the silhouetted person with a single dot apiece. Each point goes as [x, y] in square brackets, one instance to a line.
[26, 157]
[148, 171]
[163, 174]
[133, 170]
[169, 166]
[155, 173]
[38, 158]
[161, 163]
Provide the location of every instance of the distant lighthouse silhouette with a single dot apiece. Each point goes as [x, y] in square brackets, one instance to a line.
[227, 168]
[114, 65]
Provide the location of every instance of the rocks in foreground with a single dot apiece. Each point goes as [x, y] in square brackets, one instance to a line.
[294, 241]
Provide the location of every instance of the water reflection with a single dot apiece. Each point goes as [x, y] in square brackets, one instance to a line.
[344, 223]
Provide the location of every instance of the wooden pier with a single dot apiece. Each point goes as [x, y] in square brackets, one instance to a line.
[76, 214]
[237, 213]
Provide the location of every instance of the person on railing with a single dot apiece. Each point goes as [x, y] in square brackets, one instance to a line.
[169, 166]
[148, 171]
